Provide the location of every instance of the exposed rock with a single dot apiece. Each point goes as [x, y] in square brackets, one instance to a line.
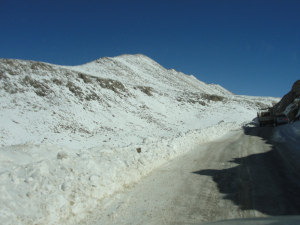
[290, 103]
[113, 85]
[147, 90]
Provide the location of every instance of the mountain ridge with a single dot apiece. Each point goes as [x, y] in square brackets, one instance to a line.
[134, 87]
[136, 69]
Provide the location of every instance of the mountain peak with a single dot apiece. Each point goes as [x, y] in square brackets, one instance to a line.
[139, 70]
[124, 56]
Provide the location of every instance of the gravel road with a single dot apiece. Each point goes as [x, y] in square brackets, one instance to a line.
[243, 174]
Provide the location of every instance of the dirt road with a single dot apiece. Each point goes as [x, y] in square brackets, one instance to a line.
[243, 174]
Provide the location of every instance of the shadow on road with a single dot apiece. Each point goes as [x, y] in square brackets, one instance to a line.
[262, 182]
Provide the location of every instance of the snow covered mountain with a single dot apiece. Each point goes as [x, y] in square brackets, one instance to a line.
[66, 105]
[71, 136]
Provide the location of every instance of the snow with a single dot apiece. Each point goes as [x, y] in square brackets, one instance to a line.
[73, 136]
[288, 134]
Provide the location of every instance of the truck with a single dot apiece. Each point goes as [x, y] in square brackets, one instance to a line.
[266, 117]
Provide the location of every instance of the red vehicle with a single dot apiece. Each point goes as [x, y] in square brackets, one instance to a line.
[282, 119]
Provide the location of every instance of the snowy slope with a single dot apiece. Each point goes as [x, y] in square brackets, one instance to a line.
[138, 70]
[71, 136]
[289, 134]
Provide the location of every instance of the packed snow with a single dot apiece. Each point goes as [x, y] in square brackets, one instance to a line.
[73, 136]
[288, 134]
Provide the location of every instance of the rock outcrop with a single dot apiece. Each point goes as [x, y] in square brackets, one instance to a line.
[290, 103]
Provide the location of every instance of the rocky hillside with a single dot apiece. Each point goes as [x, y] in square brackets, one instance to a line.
[290, 103]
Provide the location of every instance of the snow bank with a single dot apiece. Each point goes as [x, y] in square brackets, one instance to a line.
[289, 134]
[48, 184]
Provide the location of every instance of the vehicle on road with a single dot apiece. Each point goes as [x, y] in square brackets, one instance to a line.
[281, 119]
[266, 117]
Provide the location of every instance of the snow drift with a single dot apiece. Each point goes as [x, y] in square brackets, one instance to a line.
[289, 135]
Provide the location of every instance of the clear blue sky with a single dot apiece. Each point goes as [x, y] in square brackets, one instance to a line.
[250, 47]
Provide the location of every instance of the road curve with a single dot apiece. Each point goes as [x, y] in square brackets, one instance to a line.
[243, 174]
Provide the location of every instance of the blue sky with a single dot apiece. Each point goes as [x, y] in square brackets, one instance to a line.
[250, 47]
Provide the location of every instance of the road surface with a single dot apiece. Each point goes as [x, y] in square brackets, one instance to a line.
[243, 174]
